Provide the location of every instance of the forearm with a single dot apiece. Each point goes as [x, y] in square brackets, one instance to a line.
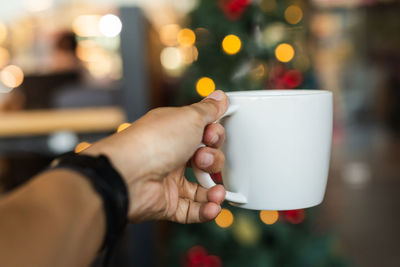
[56, 219]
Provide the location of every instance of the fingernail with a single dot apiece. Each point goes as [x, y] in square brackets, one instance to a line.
[206, 160]
[214, 139]
[216, 95]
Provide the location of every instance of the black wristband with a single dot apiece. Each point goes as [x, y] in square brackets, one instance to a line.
[109, 185]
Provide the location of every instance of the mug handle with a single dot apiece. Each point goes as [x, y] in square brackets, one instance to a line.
[205, 179]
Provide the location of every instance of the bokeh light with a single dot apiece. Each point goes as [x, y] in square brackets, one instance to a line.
[86, 25]
[284, 52]
[169, 34]
[4, 57]
[12, 76]
[171, 58]
[269, 216]
[89, 51]
[205, 86]
[123, 126]
[231, 44]
[37, 5]
[293, 14]
[81, 146]
[189, 54]
[224, 218]
[186, 37]
[110, 25]
[3, 32]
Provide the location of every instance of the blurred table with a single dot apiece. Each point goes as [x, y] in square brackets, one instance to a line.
[43, 122]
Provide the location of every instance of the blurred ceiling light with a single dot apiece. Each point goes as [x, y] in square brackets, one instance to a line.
[186, 37]
[86, 25]
[284, 52]
[231, 44]
[224, 218]
[269, 216]
[189, 54]
[110, 25]
[37, 5]
[12, 76]
[171, 58]
[4, 57]
[169, 34]
[205, 86]
[293, 14]
[3, 32]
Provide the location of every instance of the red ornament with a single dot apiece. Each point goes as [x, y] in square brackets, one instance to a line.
[233, 9]
[217, 177]
[197, 257]
[292, 78]
[294, 216]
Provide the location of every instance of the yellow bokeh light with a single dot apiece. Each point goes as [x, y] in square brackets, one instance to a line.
[186, 37]
[169, 34]
[123, 126]
[269, 216]
[81, 146]
[3, 32]
[231, 44]
[293, 14]
[205, 86]
[4, 57]
[224, 218]
[12, 76]
[284, 52]
[86, 25]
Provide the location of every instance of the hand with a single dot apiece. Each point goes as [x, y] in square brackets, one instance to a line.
[153, 152]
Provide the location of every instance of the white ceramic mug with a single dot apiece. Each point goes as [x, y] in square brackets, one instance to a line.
[277, 149]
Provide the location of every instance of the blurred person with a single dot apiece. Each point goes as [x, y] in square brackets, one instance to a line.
[62, 216]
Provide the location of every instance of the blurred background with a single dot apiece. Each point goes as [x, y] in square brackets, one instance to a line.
[75, 71]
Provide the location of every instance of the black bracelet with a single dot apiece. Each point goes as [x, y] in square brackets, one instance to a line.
[110, 186]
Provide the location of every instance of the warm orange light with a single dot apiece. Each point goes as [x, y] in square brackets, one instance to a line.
[169, 34]
[293, 14]
[3, 32]
[12, 76]
[231, 44]
[205, 86]
[86, 25]
[4, 57]
[284, 52]
[269, 216]
[189, 54]
[123, 126]
[81, 146]
[186, 37]
[224, 219]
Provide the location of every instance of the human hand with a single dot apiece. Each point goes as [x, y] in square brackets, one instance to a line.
[152, 155]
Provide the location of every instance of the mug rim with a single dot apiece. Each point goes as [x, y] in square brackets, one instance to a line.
[277, 92]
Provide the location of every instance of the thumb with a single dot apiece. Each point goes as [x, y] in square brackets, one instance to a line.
[212, 107]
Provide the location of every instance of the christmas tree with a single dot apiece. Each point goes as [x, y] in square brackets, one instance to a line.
[248, 45]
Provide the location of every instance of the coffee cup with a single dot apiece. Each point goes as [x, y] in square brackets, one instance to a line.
[277, 149]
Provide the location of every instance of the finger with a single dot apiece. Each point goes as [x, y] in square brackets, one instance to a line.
[209, 159]
[196, 192]
[212, 107]
[190, 211]
[214, 135]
